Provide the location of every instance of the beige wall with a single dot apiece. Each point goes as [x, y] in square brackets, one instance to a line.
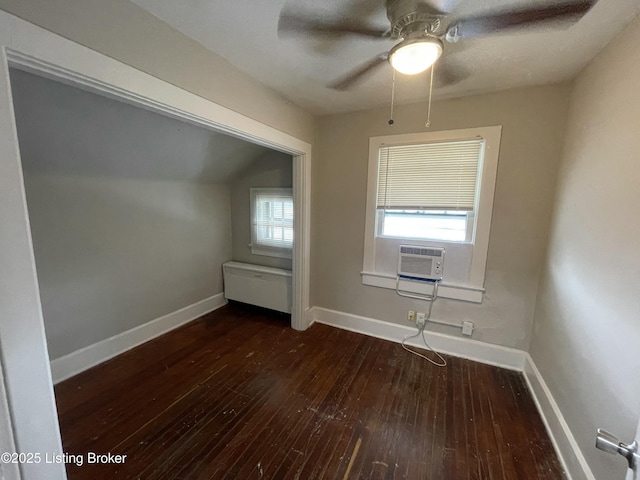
[273, 170]
[586, 338]
[533, 122]
[126, 32]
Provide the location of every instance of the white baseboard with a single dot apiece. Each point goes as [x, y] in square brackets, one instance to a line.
[488, 353]
[573, 461]
[87, 357]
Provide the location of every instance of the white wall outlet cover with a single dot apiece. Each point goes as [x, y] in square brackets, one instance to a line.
[467, 328]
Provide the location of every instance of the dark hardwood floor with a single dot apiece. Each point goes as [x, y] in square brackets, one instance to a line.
[239, 395]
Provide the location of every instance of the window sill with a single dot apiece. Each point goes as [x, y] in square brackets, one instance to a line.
[265, 252]
[455, 292]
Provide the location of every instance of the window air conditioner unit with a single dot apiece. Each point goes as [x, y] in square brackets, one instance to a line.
[420, 263]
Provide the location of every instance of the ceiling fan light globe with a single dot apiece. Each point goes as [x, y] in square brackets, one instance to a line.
[415, 57]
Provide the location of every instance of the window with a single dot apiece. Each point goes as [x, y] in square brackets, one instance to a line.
[426, 224]
[272, 222]
[432, 189]
[428, 190]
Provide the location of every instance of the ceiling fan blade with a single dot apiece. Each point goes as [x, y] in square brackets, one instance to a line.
[442, 6]
[447, 74]
[363, 9]
[359, 73]
[487, 24]
[291, 24]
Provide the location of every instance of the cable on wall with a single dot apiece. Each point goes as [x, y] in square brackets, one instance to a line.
[431, 299]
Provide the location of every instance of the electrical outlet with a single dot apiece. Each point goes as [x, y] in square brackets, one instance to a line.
[411, 316]
[467, 328]
[421, 318]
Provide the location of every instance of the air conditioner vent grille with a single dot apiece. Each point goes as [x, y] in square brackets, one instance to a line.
[429, 252]
[421, 263]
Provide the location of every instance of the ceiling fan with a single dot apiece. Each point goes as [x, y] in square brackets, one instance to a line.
[423, 27]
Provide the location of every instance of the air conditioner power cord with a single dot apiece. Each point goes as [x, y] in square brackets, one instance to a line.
[442, 362]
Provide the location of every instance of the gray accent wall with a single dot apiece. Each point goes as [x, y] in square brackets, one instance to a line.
[68, 131]
[533, 121]
[112, 254]
[586, 335]
[273, 170]
[130, 211]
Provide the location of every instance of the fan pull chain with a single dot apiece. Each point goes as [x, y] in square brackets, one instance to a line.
[393, 95]
[428, 124]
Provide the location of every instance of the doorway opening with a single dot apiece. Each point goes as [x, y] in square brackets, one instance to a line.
[24, 354]
[130, 214]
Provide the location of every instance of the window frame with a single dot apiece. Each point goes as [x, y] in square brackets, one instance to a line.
[256, 247]
[472, 287]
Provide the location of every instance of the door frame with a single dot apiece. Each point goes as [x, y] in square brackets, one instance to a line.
[23, 347]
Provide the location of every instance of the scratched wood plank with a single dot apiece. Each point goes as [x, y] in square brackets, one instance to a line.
[472, 459]
[380, 462]
[343, 440]
[238, 395]
[373, 410]
[315, 412]
[487, 441]
[341, 423]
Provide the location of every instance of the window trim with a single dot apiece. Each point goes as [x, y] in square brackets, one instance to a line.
[257, 248]
[473, 288]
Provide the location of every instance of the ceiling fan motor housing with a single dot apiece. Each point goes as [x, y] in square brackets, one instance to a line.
[412, 18]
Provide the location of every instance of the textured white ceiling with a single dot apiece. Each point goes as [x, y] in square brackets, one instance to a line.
[245, 33]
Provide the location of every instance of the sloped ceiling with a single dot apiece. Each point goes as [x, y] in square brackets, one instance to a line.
[67, 131]
[245, 33]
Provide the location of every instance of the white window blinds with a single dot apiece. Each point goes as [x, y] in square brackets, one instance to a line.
[273, 219]
[433, 176]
